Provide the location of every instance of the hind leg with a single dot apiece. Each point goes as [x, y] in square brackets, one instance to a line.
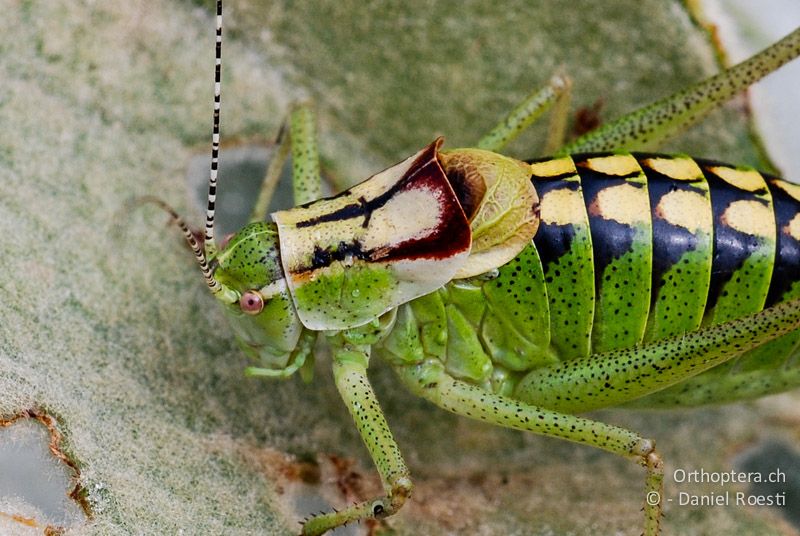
[646, 128]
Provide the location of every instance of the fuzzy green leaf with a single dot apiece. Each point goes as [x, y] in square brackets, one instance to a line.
[105, 322]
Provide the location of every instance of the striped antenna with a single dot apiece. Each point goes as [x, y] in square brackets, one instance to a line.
[204, 252]
[210, 244]
[199, 256]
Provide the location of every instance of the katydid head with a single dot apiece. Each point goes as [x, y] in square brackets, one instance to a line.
[244, 271]
[248, 279]
[263, 317]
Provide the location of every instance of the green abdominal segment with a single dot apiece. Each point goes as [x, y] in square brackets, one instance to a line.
[632, 249]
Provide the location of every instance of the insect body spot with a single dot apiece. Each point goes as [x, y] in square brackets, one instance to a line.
[749, 217]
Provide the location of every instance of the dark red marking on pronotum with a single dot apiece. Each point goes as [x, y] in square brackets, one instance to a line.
[451, 236]
[469, 193]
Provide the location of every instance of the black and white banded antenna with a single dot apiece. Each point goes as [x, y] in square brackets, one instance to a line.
[206, 251]
[199, 255]
[210, 244]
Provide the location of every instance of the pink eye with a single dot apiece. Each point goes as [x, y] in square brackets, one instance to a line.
[251, 302]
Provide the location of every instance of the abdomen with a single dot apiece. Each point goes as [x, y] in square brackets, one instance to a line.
[639, 247]
[630, 249]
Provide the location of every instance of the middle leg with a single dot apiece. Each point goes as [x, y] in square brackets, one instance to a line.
[350, 372]
[555, 93]
[301, 140]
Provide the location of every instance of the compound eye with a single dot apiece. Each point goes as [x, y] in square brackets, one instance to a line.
[251, 302]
